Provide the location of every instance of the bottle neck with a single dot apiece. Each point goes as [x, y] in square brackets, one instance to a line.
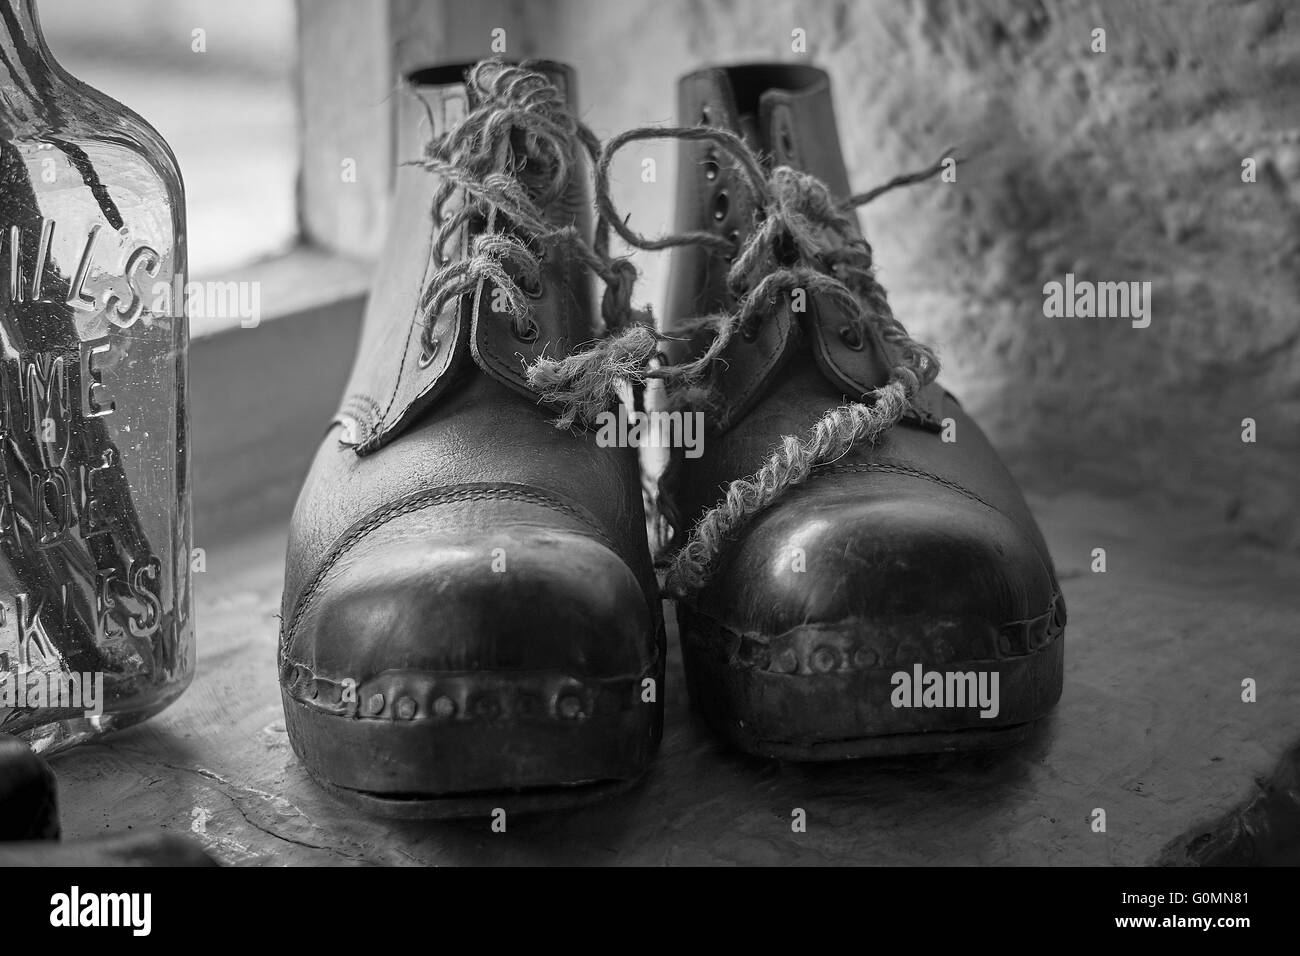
[27, 70]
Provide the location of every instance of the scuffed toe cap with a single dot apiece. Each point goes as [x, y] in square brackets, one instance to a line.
[434, 660]
[415, 596]
[893, 553]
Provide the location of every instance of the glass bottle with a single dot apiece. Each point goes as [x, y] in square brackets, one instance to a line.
[95, 624]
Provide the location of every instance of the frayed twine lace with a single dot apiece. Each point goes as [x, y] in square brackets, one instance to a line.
[802, 240]
[513, 155]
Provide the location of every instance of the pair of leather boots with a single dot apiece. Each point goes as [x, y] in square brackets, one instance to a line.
[471, 613]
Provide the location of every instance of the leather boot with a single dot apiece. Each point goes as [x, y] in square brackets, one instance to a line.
[816, 635]
[470, 616]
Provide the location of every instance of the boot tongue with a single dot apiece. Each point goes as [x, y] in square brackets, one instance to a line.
[448, 83]
[532, 168]
[439, 105]
[400, 372]
[798, 129]
[444, 98]
[572, 205]
[752, 133]
[561, 75]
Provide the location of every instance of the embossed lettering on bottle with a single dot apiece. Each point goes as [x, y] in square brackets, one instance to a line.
[94, 498]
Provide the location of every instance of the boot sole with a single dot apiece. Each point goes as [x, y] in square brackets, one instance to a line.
[846, 713]
[478, 805]
[469, 766]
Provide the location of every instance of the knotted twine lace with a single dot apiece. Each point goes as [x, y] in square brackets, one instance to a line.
[802, 240]
[512, 155]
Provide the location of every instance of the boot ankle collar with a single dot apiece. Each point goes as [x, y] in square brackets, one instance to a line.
[400, 373]
[785, 112]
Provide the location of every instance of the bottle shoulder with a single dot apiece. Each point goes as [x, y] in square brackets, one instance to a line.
[77, 117]
[107, 119]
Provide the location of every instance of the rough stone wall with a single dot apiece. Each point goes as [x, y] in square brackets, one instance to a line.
[1123, 165]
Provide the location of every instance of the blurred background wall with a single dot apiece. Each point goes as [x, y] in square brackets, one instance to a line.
[1123, 165]
[217, 79]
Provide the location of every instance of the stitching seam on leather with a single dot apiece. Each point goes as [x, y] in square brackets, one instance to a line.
[419, 502]
[912, 472]
[824, 346]
[415, 326]
[486, 346]
[364, 410]
[413, 332]
[764, 370]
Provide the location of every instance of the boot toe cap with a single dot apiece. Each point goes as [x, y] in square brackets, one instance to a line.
[435, 661]
[887, 551]
[796, 647]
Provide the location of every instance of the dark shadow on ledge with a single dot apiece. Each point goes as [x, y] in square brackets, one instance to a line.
[1263, 831]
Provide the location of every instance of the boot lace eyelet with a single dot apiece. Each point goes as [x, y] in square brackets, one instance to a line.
[532, 290]
[851, 337]
[734, 238]
[711, 167]
[748, 332]
[721, 205]
[428, 353]
[528, 334]
[705, 118]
